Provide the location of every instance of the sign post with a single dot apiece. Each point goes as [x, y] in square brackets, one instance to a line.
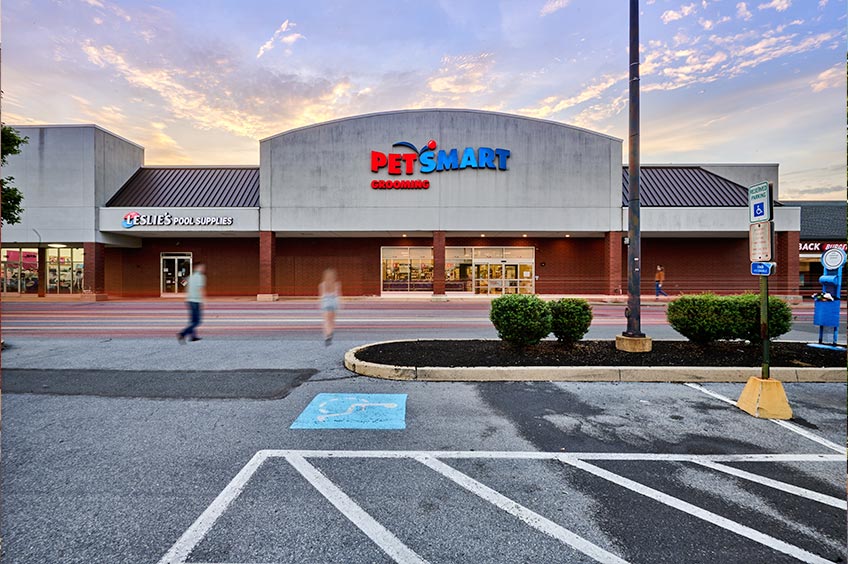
[761, 245]
[763, 397]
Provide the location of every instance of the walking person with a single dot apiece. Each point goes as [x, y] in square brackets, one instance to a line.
[330, 289]
[194, 299]
[659, 278]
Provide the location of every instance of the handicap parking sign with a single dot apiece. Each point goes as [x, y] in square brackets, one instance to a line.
[354, 411]
[759, 209]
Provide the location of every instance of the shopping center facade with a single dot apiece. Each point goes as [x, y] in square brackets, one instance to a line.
[412, 202]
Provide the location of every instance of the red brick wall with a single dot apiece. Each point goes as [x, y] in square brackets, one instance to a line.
[267, 256]
[94, 272]
[719, 265]
[301, 262]
[232, 266]
[573, 265]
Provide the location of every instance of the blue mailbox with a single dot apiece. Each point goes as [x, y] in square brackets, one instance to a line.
[826, 312]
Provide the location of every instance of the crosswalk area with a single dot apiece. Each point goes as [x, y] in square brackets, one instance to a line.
[470, 506]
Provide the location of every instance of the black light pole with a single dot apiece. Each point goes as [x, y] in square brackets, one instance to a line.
[634, 232]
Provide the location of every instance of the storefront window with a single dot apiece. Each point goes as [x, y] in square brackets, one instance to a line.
[458, 269]
[481, 270]
[407, 269]
[64, 270]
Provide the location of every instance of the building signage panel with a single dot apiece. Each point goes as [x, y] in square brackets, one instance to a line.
[429, 160]
[132, 221]
[762, 268]
[759, 202]
[760, 241]
[819, 246]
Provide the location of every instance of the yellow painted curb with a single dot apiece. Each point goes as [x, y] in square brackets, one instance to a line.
[764, 399]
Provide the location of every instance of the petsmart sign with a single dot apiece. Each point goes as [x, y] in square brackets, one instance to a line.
[428, 160]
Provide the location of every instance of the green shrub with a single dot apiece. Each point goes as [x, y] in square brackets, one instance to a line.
[706, 317]
[747, 323]
[570, 319]
[521, 319]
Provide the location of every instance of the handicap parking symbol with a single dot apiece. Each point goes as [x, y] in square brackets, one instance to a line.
[354, 411]
[759, 209]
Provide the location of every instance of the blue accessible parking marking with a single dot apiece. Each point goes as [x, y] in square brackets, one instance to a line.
[354, 411]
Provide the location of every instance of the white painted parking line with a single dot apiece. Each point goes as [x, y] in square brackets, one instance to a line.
[381, 536]
[783, 486]
[533, 455]
[190, 539]
[517, 510]
[397, 550]
[786, 425]
[708, 516]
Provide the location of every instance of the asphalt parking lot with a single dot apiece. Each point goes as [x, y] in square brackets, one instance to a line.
[494, 472]
[193, 458]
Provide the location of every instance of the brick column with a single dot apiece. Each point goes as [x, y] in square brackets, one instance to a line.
[42, 272]
[94, 273]
[438, 263]
[612, 282]
[788, 263]
[267, 270]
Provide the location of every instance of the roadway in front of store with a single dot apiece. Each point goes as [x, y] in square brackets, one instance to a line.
[108, 470]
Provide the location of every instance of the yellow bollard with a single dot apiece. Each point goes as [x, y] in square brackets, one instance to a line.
[765, 399]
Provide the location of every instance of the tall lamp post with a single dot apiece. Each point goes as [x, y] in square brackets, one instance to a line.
[634, 340]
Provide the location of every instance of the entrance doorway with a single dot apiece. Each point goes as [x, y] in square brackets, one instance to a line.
[175, 269]
[503, 276]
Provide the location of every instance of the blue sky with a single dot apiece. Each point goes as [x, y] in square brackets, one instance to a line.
[200, 82]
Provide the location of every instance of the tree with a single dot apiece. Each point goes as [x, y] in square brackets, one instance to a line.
[10, 196]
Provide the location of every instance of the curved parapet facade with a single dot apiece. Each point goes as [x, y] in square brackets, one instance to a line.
[447, 170]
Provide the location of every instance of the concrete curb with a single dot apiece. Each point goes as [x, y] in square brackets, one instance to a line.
[581, 373]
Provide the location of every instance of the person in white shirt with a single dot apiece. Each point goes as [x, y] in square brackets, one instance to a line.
[330, 290]
[194, 300]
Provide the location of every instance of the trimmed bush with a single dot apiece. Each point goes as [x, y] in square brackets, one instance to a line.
[706, 317]
[570, 319]
[521, 319]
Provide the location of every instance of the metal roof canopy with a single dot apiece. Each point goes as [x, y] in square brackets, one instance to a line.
[190, 187]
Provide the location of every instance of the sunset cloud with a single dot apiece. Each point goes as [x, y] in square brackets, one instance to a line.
[280, 37]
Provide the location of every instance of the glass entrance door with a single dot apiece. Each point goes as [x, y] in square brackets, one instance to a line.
[175, 270]
[502, 277]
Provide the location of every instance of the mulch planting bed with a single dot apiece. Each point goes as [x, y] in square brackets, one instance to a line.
[597, 353]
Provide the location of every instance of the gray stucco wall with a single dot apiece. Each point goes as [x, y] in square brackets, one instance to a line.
[559, 177]
[64, 173]
[748, 174]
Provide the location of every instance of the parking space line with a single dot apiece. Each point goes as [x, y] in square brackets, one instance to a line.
[783, 486]
[517, 510]
[536, 455]
[381, 536]
[190, 539]
[392, 546]
[708, 516]
[786, 425]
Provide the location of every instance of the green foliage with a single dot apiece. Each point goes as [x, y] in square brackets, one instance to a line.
[706, 317]
[570, 319]
[10, 196]
[521, 319]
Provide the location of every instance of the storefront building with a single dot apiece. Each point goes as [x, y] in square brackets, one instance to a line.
[823, 227]
[417, 202]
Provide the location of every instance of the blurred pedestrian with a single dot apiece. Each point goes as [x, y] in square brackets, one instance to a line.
[659, 278]
[330, 289]
[194, 300]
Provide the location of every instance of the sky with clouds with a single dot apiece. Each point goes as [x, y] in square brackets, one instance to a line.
[200, 82]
